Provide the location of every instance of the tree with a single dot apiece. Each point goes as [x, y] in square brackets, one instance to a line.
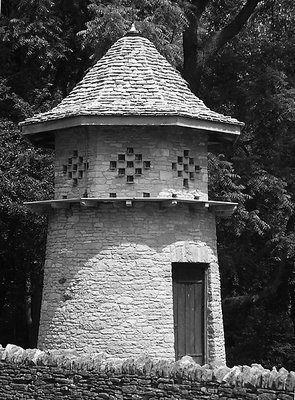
[205, 37]
[26, 174]
[161, 21]
[257, 257]
[196, 23]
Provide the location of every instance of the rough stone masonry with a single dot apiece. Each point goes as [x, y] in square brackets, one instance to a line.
[31, 373]
[108, 284]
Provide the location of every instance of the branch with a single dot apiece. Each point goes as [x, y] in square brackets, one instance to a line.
[233, 304]
[196, 51]
[201, 5]
[221, 37]
[197, 7]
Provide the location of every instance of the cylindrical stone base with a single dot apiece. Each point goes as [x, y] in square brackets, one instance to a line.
[108, 278]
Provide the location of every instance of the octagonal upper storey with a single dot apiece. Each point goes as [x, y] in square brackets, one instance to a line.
[131, 162]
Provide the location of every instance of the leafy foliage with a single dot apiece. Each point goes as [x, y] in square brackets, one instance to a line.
[252, 79]
[26, 175]
[161, 21]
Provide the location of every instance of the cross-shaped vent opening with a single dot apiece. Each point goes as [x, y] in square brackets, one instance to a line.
[75, 168]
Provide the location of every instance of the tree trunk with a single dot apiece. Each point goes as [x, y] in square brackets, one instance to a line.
[278, 285]
[192, 47]
[28, 308]
[192, 67]
[197, 51]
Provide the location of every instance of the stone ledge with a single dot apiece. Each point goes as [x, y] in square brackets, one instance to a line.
[185, 369]
[220, 208]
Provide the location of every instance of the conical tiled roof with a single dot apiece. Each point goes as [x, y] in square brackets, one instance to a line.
[132, 79]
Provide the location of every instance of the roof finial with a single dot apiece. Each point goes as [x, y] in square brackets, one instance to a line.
[133, 31]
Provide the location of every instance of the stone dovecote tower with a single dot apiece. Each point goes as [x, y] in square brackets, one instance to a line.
[131, 264]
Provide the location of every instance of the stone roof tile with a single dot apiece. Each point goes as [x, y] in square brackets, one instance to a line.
[132, 79]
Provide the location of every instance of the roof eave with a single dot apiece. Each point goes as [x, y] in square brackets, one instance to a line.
[194, 123]
[220, 208]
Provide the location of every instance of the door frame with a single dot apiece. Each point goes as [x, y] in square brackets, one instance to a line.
[204, 267]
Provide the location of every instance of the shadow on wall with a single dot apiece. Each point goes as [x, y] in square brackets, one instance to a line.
[112, 266]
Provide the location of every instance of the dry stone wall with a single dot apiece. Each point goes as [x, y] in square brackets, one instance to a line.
[131, 162]
[34, 374]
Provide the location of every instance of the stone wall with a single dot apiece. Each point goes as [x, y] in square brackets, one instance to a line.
[108, 278]
[33, 374]
[131, 162]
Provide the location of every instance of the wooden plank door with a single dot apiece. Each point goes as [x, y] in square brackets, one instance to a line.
[188, 304]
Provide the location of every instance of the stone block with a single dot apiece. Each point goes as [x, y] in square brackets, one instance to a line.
[220, 373]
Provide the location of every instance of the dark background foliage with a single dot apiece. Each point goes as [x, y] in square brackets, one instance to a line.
[238, 56]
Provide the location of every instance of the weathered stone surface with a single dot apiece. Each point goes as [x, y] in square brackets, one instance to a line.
[13, 353]
[265, 377]
[273, 376]
[232, 375]
[207, 374]
[119, 280]
[267, 396]
[256, 375]
[220, 373]
[141, 378]
[290, 381]
[32, 356]
[159, 180]
[280, 381]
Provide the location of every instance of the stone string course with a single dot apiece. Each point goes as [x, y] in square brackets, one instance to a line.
[63, 374]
